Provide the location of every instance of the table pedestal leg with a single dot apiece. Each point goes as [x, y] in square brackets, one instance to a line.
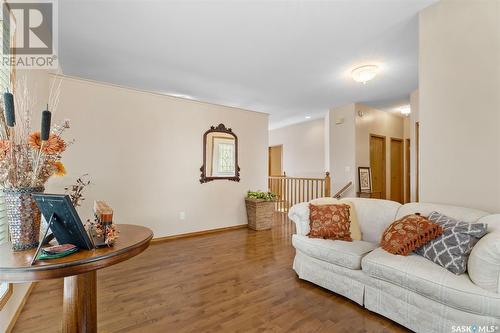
[80, 303]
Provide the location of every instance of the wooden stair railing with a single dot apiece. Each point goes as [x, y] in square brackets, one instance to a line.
[341, 192]
[293, 190]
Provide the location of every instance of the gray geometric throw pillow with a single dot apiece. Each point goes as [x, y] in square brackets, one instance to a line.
[451, 250]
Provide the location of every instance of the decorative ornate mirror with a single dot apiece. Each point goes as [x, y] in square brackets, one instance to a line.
[220, 155]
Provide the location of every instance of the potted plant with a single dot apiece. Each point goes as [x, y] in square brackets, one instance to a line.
[260, 209]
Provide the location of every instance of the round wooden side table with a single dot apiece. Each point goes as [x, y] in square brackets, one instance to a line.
[79, 271]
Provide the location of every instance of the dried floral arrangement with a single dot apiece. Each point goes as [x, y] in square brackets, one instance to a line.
[29, 158]
[95, 226]
[103, 225]
[75, 191]
[99, 228]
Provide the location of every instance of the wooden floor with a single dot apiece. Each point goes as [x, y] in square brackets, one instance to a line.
[234, 281]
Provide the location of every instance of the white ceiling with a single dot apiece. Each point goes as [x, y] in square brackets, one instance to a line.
[290, 59]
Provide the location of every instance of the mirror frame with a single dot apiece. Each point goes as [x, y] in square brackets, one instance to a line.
[219, 128]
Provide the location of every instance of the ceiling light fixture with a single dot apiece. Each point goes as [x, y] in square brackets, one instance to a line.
[173, 94]
[405, 110]
[364, 73]
[308, 117]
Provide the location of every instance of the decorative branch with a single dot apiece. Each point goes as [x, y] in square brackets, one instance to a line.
[76, 190]
[4, 131]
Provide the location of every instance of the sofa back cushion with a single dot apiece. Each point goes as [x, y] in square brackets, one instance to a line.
[468, 215]
[374, 215]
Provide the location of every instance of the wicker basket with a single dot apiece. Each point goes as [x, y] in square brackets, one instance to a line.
[259, 213]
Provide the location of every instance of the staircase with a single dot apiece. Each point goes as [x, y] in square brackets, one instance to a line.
[292, 190]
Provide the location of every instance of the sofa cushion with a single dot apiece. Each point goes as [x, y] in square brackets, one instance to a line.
[425, 278]
[451, 250]
[354, 226]
[342, 253]
[419, 313]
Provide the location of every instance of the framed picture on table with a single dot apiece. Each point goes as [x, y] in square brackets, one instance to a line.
[365, 179]
[63, 220]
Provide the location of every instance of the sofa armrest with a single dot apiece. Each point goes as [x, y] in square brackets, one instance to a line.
[299, 214]
[484, 262]
[493, 222]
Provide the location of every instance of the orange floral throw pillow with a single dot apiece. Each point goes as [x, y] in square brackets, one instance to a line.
[330, 222]
[409, 233]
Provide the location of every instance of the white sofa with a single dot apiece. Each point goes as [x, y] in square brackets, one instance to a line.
[411, 290]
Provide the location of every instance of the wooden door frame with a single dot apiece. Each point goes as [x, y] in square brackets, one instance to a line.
[383, 190]
[408, 170]
[402, 189]
[269, 159]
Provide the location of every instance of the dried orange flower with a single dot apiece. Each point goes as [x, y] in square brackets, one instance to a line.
[34, 140]
[54, 145]
[4, 148]
[60, 170]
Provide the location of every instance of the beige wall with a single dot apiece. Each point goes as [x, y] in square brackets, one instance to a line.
[303, 148]
[342, 147]
[459, 89]
[376, 122]
[143, 152]
[406, 135]
[406, 127]
[412, 120]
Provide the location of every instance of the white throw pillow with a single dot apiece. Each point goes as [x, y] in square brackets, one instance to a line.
[484, 263]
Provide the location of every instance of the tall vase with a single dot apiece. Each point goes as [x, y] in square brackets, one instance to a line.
[23, 216]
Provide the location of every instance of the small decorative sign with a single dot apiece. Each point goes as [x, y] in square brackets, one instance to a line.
[365, 179]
